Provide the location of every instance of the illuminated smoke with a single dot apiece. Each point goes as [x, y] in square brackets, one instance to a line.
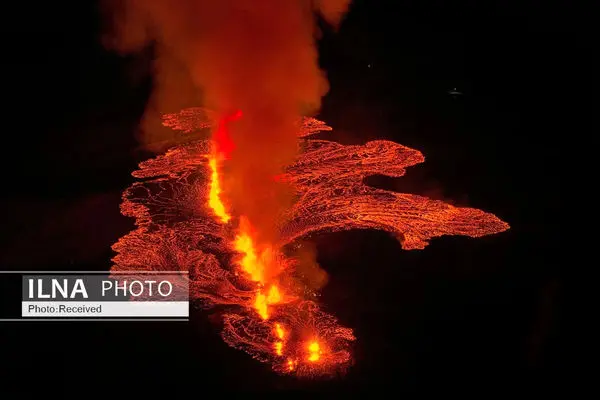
[257, 56]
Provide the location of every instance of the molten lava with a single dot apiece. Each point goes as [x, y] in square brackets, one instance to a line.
[251, 263]
[214, 196]
[280, 335]
[314, 351]
[256, 266]
[183, 223]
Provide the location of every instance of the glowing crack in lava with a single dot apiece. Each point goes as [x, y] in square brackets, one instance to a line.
[182, 223]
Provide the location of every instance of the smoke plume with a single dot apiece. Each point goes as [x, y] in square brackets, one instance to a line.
[256, 56]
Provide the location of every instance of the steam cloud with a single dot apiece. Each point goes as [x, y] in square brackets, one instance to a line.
[257, 56]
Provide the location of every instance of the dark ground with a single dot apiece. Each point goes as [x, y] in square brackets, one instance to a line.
[464, 315]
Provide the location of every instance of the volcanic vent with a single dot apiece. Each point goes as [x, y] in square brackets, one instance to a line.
[185, 223]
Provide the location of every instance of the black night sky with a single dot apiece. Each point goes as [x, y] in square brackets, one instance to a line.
[464, 315]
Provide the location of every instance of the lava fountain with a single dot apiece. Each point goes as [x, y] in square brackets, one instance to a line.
[184, 222]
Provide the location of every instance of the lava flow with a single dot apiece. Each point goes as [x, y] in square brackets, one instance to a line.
[183, 222]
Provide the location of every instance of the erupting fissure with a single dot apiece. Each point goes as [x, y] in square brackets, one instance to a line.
[256, 263]
[183, 221]
[214, 197]
[222, 148]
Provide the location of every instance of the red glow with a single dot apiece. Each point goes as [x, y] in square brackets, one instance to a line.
[224, 144]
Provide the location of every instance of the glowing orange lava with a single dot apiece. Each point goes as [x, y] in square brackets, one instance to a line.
[256, 267]
[314, 351]
[182, 223]
[291, 365]
[280, 333]
[274, 296]
[214, 197]
[251, 263]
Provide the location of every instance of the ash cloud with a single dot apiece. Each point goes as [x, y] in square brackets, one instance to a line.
[257, 56]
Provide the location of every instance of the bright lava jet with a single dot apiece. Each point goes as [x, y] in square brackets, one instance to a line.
[184, 223]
